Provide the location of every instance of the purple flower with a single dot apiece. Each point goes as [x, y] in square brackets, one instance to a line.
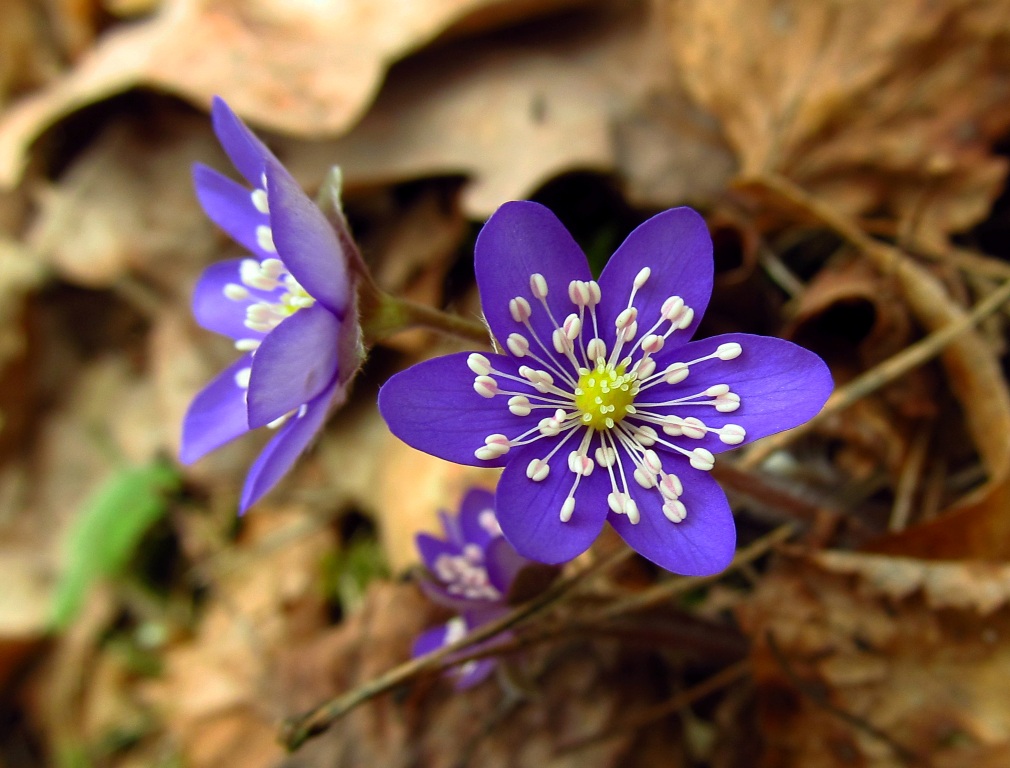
[470, 571]
[600, 408]
[289, 307]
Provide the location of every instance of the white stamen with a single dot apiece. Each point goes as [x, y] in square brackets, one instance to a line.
[641, 277]
[676, 373]
[675, 511]
[519, 405]
[517, 344]
[520, 310]
[626, 318]
[265, 238]
[605, 456]
[702, 459]
[716, 390]
[567, 509]
[672, 308]
[572, 327]
[728, 351]
[594, 293]
[247, 345]
[242, 378]
[631, 510]
[236, 292]
[260, 201]
[615, 500]
[537, 470]
[479, 364]
[652, 343]
[538, 284]
[732, 434]
[485, 386]
[596, 350]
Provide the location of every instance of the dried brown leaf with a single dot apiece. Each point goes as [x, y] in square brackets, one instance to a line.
[304, 68]
[875, 107]
[880, 662]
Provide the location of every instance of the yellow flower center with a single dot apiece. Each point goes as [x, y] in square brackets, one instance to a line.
[605, 395]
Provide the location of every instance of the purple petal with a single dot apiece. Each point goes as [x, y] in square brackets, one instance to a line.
[700, 545]
[519, 240]
[216, 415]
[503, 564]
[283, 450]
[295, 362]
[476, 504]
[432, 548]
[215, 311]
[247, 153]
[306, 242]
[529, 512]
[450, 524]
[230, 206]
[433, 407]
[676, 246]
[780, 384]
[429, 640]
[473, 672]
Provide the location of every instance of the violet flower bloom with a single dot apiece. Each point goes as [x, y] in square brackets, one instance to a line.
[471, 571]
[601, 408]
[289, 307]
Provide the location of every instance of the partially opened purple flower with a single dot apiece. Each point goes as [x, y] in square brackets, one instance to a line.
[601, 408]
[289, 307]
[470, 571]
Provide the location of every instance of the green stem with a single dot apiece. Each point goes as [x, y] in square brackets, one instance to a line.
[383, 316]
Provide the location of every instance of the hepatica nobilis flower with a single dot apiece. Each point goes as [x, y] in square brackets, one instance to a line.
[600, 407]
[470, 571]
[289, 307]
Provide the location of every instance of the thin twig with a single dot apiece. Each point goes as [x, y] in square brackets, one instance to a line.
[297, 730]
[816, 695]
[718, 681]
[668, 589]
[893, 368]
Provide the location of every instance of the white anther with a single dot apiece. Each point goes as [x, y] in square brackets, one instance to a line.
[727, 403]
[676, 373]
[572, 326]
[728, 351]
[605, 457]
[732, 434]
[702, 459]
[549, 427]
[567, 509]
[631, 510]
[236, 292]
[645, 478]
[596, 349]
[259, 200]
[495, 446]
[485, 386]
[242, 378]
[594, 293]
[479, 364]
[562, 343]
[644, 368]
[645, 435]
[538, 284]
[717, 390]
[518, 344]
[626, 318]
[686, 318]
[578, 292]
[691, 427]
[615, 501]
[642, 276]
[630, 331]
[672, 308]
[651, 459]
[247, 345]
[265, 238]
[520, 310]
[675, 511]
[272, 268]
[280, 421]
[580, 464]
[519, 405]
[537, 470]
[652, 343]
[671, 487]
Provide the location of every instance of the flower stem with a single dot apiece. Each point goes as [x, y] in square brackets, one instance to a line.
[383, 315]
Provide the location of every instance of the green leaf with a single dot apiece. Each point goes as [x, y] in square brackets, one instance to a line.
[107, 532]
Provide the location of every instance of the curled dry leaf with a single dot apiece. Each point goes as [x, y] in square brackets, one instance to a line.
[875, 107]
[302, 68]
[582, 94]
[854, 663]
